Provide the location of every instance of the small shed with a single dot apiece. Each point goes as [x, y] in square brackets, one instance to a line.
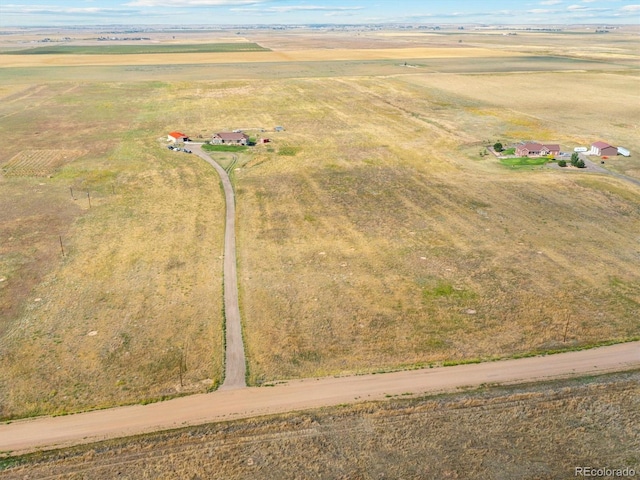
[624, 152]
[177, 137]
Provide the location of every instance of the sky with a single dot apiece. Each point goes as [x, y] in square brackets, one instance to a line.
[244, 12]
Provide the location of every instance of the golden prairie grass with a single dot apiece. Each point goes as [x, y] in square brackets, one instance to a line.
[247, 57]
[518, 432]
[566, 107]
[37, 163]
[371, 236]
[380, 244]
[133, 311]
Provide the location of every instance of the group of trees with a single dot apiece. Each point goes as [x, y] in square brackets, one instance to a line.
[576, 161]
[497, 147]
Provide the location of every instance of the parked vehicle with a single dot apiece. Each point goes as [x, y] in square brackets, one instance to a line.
[186, 151]
[170, 147]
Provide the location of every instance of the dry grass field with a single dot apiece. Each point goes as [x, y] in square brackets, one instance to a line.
[136, 299]
[386, 241]
[371, 234]
[37, 163]
[540, 432]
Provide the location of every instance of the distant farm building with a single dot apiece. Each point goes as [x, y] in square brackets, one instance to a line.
[602, 149]
[230, 138]
[279, 129]
[264, 140]
[177, 137]
[624, 152]
[537, 149]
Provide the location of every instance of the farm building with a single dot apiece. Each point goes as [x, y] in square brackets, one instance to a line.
[230, 138]
[603, 149]
[536, 149]
[177, 137]
[624, 152]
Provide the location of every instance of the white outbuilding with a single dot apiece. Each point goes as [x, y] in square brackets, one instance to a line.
[624, 152]
[177, 137]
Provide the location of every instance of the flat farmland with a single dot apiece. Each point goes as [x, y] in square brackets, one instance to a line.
[371, 233]
[37, 163]
[131, 309]
[575, 109]
[15, 59]
[387, 242]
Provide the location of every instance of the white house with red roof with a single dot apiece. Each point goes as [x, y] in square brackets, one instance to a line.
[177, 137]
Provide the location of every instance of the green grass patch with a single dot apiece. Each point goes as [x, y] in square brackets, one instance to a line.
[138, 49]
[288, 151]
[224, 148]
[523, 161]
[509, 151]
[445, 289]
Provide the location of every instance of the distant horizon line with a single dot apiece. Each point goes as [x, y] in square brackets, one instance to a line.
[290, 25]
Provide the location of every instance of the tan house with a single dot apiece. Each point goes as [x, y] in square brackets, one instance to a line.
[230, 138]
[537, 149]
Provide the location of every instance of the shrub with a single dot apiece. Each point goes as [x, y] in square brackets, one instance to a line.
[562, 163]
[498, 147]
[574, 158]
[580, 163]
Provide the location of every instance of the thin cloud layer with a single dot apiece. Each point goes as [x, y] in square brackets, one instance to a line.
[237, 12]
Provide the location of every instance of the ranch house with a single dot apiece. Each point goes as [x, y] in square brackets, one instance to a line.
[537, 149]
[177, 137]
[230, 138]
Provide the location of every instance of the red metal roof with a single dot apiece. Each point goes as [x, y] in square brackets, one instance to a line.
[600, 145]
[177, 135]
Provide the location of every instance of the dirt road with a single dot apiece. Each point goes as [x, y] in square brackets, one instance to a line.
[51, 432]
[595, 167]
[235, 366]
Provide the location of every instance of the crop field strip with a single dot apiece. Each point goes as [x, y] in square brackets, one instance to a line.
[38, 163]
[139, 49]
[160, 58]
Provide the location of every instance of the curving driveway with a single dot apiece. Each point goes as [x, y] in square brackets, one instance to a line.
[235, 364]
